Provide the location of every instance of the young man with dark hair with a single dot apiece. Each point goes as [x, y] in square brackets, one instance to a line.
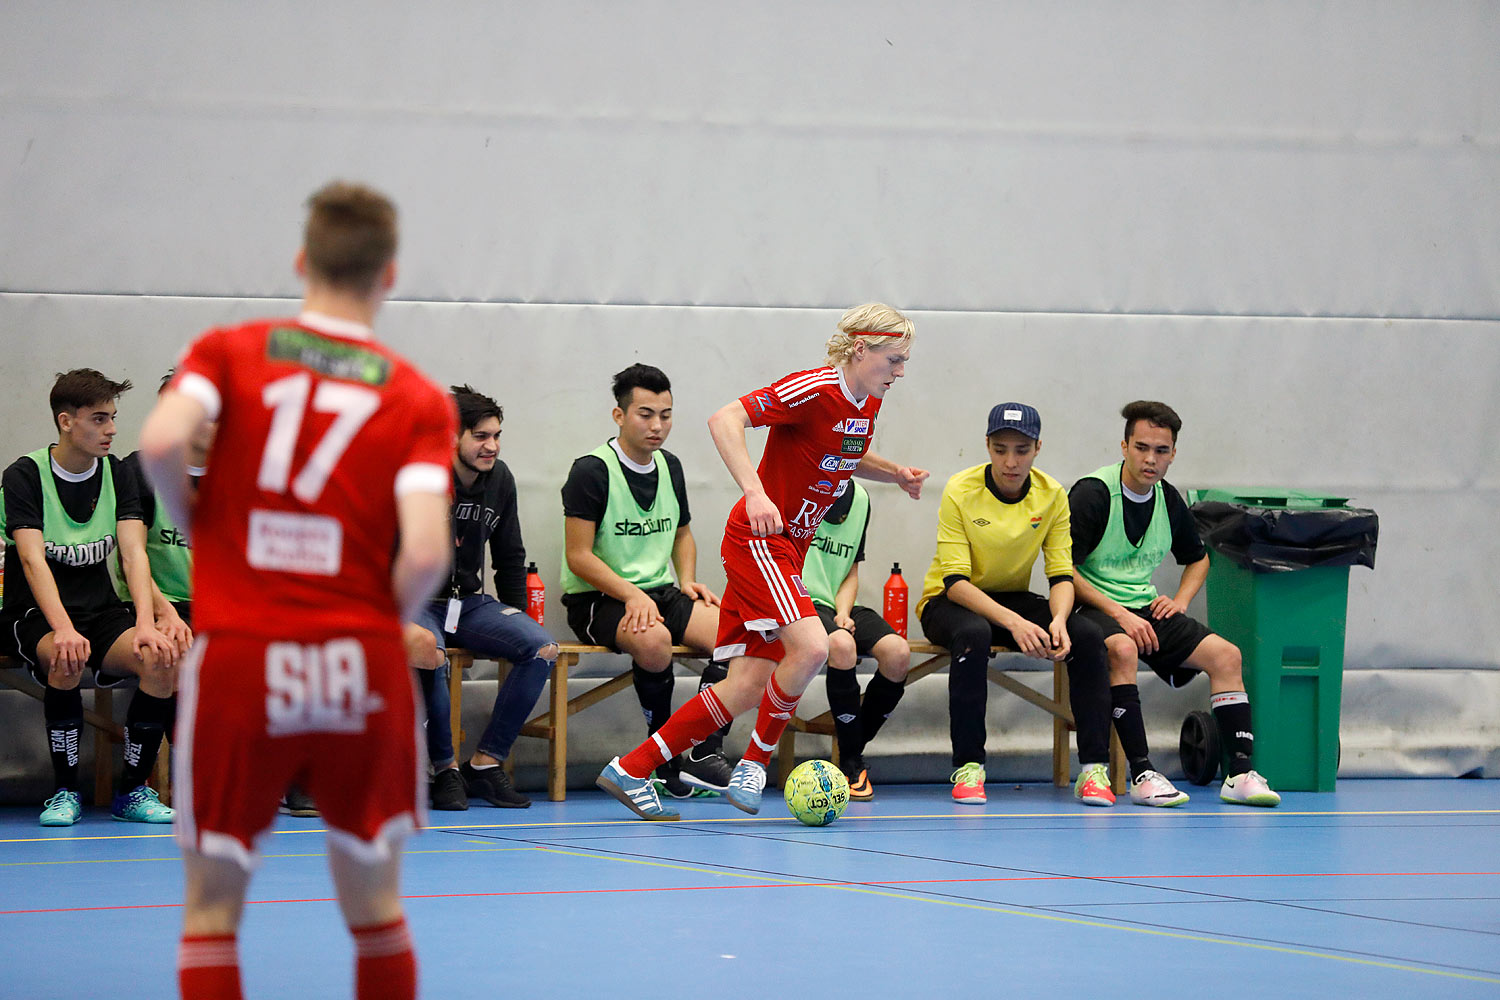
[995, 519]
[68, 508]
[625, 523]
[831, 575]
[484, 517]
[320, 525]
[821, 422]
[1126, 518]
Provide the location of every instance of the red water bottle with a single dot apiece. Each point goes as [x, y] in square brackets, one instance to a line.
[536, 595]
[895, 601]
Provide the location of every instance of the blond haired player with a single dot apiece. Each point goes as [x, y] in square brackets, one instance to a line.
[821, 423]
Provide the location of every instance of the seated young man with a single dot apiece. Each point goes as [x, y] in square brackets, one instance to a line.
[831, 575]
[67, 508]
[484, 516]
[168, 550]
[626, 533]
[1126, 518]
[995, 519]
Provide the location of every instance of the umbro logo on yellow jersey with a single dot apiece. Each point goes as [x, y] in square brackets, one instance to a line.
[981, 522]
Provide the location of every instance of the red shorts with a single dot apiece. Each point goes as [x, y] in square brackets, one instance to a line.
[336, 716]
[763, 592]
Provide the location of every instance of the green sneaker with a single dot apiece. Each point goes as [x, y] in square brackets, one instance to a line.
[1092, 787]
[63, 809]
[140, 805]
[968, 784]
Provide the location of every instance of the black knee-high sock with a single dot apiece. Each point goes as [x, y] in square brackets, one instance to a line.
[1232, 713]
[655, 692]
[843, 705]
[713, 673]
[145, 722]
[882, 695]
[63, 712]
[1125, 700]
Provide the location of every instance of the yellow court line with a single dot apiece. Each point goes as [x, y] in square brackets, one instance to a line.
[1093, 817]
[1079, 921]
[1179, 935]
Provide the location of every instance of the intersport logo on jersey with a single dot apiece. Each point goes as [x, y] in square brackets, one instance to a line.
[853, 425]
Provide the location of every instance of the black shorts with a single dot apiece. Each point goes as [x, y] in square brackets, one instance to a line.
[596, 618]
[101, 628]
[869, 627]
[1176, 638]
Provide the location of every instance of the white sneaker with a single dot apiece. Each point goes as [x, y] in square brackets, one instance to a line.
[1151, 788]
[1248, 789]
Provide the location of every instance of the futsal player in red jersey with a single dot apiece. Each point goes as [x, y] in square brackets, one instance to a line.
[821, 423]
[320, 526]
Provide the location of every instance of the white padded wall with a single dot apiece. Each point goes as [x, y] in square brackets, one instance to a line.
[1284, 218]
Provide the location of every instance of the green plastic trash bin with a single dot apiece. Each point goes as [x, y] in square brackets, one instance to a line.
[1278, 588]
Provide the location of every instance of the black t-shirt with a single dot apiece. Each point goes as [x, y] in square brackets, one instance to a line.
[485, 514]
[82, 588]
[586, 493]
[1088, 501]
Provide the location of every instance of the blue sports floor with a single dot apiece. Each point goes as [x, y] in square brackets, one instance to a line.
[1381, 889]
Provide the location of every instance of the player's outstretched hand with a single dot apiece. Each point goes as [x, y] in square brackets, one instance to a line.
[911, 479]
[765, 519]
[700, 592]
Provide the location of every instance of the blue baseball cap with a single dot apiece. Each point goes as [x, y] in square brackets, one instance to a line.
[1015, 417]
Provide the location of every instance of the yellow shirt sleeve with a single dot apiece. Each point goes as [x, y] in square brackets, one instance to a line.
[953, 553]
[1057, 547]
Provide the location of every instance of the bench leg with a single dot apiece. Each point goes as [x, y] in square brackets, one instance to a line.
[161, 774]
[457, 664]
[104, 754]
[1119, 767]
[557, 747]
[1060, 763]
[786, 755]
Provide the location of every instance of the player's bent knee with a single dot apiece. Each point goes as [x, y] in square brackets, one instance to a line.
[549, 652]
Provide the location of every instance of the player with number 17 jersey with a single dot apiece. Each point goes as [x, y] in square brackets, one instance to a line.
[320, 428]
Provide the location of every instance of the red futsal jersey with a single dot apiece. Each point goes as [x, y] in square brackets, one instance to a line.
[819, 432]
[320, 428]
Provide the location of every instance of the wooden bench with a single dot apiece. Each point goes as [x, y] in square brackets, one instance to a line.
[108, 733]
[552, 725]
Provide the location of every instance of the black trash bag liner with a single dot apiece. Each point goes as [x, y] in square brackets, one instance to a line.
[1279, 540]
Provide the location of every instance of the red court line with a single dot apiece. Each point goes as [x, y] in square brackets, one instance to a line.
[800, 885]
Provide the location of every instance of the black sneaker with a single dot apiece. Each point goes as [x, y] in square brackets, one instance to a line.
[448, 791]
[296, 802]
[493, 785]
[703, 767]
[669, 777]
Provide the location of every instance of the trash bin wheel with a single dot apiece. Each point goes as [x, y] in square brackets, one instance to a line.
[1199, 748]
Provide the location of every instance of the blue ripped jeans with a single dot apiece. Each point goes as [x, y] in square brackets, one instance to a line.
[488, 628]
